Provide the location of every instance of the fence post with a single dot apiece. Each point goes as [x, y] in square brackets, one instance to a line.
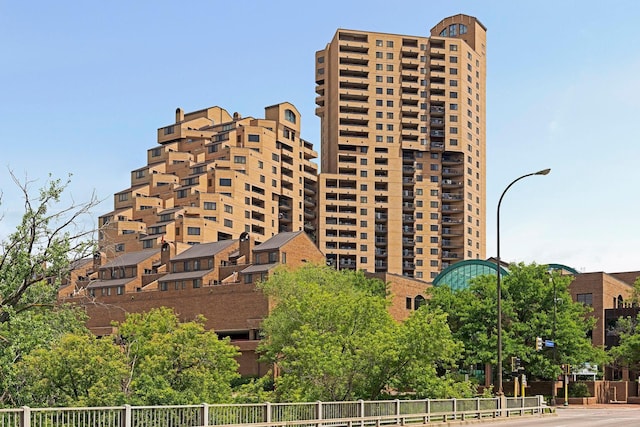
[319, 412]
[127, 421]
[268, 412]
[455, 409]
[397, 411]
[428, 417]
[204, 414]
[522, 406]
[25, 417]
[361, 410]
[478, 408]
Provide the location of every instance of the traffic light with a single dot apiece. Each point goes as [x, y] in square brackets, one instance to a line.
[515, 364]
[538, 343]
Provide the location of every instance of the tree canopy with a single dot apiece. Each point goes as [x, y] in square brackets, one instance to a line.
[332, 338]
[528, 313]
[33, 260]
[153, 359]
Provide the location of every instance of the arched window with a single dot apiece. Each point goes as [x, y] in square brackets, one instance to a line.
[620, 301]
[290, 115]
[418, 301]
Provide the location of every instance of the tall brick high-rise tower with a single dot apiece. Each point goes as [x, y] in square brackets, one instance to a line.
[403, 148]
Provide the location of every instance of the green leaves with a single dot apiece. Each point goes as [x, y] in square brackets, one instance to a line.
[527, 312]
[332, 338]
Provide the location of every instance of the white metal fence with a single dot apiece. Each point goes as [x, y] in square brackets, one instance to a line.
[318, 414]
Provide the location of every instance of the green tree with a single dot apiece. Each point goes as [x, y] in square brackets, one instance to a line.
[332, 338]
[33, 259]
[77, 370]
[175, 363]
[627, 352]
[527, 309]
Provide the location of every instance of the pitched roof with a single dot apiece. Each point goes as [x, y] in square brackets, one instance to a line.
[277, 241]
[258, 268]
[184, 275]
[132, 258]
[109, 283]
[204, 250]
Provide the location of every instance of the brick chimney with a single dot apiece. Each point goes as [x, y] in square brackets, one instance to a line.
[166, 253]
[246, 247]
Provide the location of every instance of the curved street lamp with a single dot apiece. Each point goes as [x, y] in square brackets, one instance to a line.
[499, 289]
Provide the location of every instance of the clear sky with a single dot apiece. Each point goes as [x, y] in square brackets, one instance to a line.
[86, 84]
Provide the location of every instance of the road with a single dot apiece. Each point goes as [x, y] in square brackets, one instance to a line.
[582, 416]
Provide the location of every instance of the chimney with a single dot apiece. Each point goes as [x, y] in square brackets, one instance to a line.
[97, 260]
[166, 253]
[179, 115]
[246, 247]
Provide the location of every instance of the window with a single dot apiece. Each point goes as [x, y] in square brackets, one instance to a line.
[586, 299]
[453, 59]
[228, 209]
[453, 47]
[408, 303]
[453, 71]
[379, 90]
[156, 152]
[389, 55]
[389, 67]
[289, 116]
[389, 43]
[147, 244]
[209, 206]
[389, 79]
[120, 247]
[197, 283]
[228, 223]
[240, 159]
[379, 79]
[122, 197]
[225, 182]
[193, 231]
[253, 138]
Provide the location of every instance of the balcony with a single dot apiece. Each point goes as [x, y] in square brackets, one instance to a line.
[452, 172]
[452, 196]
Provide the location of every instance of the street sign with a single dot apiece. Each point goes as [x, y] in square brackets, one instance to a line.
[549, 343]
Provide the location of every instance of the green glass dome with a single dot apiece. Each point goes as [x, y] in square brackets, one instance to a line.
[457, 276]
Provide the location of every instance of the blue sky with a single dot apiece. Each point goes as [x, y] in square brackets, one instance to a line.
[85, 85]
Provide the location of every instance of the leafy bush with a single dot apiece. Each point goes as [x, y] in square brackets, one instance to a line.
[579, 390]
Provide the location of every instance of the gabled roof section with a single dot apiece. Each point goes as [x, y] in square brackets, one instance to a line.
[133, 258]
[80, 263]
[110, 283]
[258, 268]
[204, 250]
[277, 241]
[184, 275]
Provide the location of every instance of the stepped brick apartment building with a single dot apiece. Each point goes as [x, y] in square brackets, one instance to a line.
[223, 200]
[214, 176]
[403, 148]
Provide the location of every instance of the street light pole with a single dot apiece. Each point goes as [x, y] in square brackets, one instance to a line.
[553, 335]
[499, 289]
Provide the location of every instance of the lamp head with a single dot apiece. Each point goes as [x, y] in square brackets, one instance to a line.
[543, 172]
